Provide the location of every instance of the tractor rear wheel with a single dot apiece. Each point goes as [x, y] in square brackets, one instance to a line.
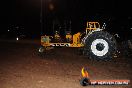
[100, 45]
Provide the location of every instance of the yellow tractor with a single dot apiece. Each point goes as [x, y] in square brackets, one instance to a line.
[94, 42]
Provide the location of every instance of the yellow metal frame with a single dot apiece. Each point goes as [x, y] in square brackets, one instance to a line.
[76, 42]
[76, 38]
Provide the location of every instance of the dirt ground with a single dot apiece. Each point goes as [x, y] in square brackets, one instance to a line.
[22, 67]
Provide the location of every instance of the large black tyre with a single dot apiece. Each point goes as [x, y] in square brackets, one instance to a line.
[100, 45]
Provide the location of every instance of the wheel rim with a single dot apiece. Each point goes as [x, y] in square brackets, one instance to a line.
[99, 47]
[41, 49]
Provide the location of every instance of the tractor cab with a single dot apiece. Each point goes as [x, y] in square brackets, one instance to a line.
[92, 26]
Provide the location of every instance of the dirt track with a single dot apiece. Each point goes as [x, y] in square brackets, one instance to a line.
[22, 67]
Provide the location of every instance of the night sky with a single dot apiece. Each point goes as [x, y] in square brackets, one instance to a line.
[27, 13]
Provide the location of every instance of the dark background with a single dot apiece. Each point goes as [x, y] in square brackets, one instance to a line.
[26, 15]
